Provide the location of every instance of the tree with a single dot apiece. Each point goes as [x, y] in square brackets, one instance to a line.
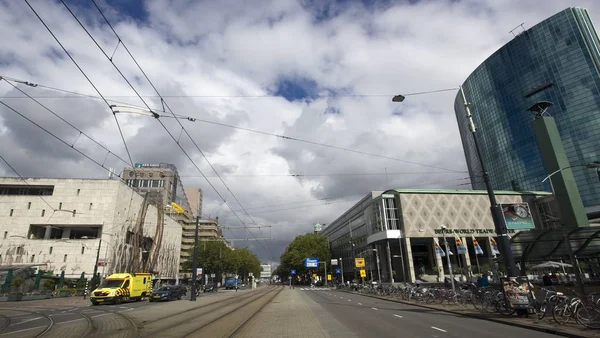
[17, 283]
[303, 246]
[217, 257]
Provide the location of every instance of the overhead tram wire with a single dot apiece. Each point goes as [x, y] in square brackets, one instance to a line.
[24, 180]
[337, 202]
[195, 119]
[332, 174]
[81, 132]
[164, 103]
[85, 75]
[76, 95]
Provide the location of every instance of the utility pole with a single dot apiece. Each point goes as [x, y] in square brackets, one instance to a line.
[195, 261]
[495, 208]
[94, 277]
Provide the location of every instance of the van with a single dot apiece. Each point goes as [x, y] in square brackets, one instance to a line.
[123, 287]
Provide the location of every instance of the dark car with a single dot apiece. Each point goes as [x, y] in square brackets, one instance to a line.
[210, 288]
[165, 293]
[182, 289]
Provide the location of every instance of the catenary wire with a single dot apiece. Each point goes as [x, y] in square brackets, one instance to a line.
[85, 75]
[164, 103]
[24, 180]
[81, 132]
[195, 119]
[78, 95]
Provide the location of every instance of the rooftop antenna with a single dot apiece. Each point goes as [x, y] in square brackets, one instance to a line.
[522, 25]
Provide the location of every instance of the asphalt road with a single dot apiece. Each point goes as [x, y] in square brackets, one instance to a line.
[370, 317]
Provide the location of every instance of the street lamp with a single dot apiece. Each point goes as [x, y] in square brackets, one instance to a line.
[448, 257]
[495, 208]
[342, 269]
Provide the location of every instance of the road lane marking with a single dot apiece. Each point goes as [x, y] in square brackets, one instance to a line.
[359, 303]
[341, 297]
[31, 328]
[437, 328]
[374, 308]
[349, 300]
[100, 315]
[27, 321]
[399, 316]
[126, 310]
[70, 321]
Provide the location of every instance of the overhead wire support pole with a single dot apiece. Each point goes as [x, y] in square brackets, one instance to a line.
[495, 208]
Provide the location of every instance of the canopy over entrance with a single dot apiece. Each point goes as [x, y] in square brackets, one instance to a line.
[550, 244]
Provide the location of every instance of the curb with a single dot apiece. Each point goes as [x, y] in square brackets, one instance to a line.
[476, 316]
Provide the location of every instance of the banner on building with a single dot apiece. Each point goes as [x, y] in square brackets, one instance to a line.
[494, 246]
[177, 207]
[517, 216]
[461, 249]
[438, 249]
[476, 247]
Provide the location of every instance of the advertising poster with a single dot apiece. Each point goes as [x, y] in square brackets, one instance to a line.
[517, 216]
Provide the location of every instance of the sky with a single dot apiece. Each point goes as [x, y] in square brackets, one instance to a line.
[294, 121]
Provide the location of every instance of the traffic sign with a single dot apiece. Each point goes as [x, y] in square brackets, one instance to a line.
[328, 277]
[359, 262]
[338, 271]
[334, 262]
[363, 273]
[311, 262]
[292, 272]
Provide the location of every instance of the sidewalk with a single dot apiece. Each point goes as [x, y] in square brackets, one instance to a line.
[547, 325]
[293, 314]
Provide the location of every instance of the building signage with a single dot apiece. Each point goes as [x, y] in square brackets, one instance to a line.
[311, 262]
[517, 216]
[145, 165]
[334, 262]
[471, 231]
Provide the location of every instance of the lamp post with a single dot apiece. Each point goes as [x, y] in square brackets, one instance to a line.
[195, 261]
[495, 208]
[342, 269]
[448, 257]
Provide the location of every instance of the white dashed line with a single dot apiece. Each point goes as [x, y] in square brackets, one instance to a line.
[349, 300]
[437, 328]
[31, 328]
[399, 316]
[100, 315]
[359, 303]
[26, 321]
[374, 308]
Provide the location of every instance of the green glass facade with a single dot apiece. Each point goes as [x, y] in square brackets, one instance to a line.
[557, 60]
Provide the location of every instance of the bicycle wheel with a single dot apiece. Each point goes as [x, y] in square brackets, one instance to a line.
[541, 312]
[561, 314]
[589, 316]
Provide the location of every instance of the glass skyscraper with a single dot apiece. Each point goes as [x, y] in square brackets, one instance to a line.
[557, 60]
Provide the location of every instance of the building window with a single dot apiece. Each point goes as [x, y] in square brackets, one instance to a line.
[43, 212]
[78, 191]
[91, 206]
[28, 205]
[65, 258]
[50, 250]
[32, 258]
[60, 206]
[11, 212]
[82, 250]
[5, 234]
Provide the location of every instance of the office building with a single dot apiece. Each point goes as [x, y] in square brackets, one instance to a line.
[70, 224]
[557, 60]
[402, 227]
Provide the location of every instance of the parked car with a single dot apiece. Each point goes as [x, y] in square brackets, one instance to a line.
[210, 288]
[182, 289]
[168, 292]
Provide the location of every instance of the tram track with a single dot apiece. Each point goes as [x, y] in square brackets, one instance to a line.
[188, 317]
[47, 328]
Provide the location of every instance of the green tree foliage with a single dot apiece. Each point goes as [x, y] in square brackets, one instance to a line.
[216, 256]
[303, 246]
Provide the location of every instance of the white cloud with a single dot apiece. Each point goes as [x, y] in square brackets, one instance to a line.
[238, 48]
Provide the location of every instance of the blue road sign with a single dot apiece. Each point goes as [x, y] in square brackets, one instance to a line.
[311, 262]
[338, 271]
[293, 272]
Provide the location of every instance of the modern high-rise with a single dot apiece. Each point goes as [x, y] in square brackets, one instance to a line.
[557, 60]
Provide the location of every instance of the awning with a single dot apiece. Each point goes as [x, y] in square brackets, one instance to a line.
[550, 244]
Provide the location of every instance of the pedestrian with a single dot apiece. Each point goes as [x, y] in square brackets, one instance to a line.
[546, 280]
[484, 282]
